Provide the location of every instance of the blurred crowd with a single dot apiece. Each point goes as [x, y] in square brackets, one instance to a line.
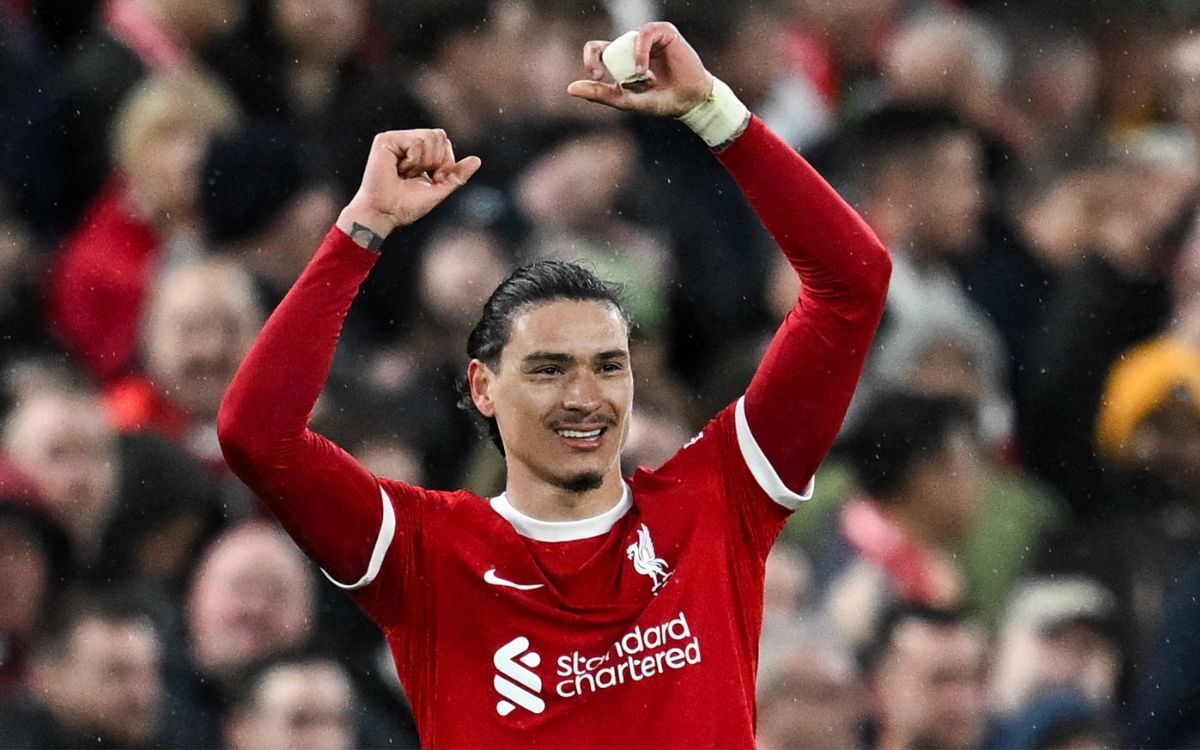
[1004, 546]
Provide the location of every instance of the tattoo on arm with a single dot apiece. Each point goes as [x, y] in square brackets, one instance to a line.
[365, 237]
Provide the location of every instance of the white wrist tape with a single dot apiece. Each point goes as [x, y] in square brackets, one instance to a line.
[720, 118]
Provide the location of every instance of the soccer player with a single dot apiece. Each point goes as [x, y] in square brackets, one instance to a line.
[577, 608]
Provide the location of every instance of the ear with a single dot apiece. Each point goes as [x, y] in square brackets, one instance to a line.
[479, 378]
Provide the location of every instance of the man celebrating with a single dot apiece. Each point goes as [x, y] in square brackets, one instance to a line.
[576, 608]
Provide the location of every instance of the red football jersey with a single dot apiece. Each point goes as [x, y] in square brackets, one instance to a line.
[512, 631]
[635, 628]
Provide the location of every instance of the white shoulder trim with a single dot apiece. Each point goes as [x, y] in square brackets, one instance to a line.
[387, 530]
[562, 531]
[764, 473]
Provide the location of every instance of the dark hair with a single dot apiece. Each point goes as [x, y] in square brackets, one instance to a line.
[244, 691]
[896, 615]
[529, 286]
[420, 28]
[84, 605]
[901, 134]
[898, 432]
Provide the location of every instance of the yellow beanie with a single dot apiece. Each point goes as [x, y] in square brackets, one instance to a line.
[1139, 384]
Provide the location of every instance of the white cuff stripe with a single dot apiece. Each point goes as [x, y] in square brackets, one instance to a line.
[387, 530]
[764, 473]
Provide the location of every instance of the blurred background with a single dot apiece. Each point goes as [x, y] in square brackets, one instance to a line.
[1004, 546]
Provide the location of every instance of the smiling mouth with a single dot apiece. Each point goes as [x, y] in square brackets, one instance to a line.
[582, 434]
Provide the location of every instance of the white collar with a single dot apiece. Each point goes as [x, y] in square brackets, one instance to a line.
[562, 531]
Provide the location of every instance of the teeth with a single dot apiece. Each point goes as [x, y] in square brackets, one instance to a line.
[578, 434]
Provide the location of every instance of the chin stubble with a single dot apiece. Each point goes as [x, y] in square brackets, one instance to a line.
[580, 483]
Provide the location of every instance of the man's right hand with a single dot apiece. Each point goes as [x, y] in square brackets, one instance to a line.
[408, 172]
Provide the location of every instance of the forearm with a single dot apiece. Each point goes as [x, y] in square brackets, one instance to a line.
[798, 398]
[263, 424]
[270, 399]
[825, 240]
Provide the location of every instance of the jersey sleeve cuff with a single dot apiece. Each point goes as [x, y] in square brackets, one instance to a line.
[387, 530]
[760, 467]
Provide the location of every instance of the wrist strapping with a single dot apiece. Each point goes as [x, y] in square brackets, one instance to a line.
[720, 118]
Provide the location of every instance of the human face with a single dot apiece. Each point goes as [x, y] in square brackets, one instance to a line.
[298, 706]
[949, 486]
[324, 30]
[814, 704]
[201, 326]
[930, 687]
[108, 682]
[562, 394]
[66, 444]
[949, 195]
[252, 597]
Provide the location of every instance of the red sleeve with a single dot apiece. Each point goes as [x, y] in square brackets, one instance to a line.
[332, 506]
[798, 398]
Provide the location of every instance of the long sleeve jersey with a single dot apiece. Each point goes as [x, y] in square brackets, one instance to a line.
[635, 628]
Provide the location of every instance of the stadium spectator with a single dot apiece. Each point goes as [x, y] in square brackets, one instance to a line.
[1080, 246]
[262, 206]
[294, 63]
[1119, 295]
[145, 220]
[62, 438]
[1059, 634]
[926, 671]
[129, 40]
[1148, 435]
[95, 678]
[295, 700]
[22, 327]
[916, 460]
[416, 378]
[35, 565]
[197, 327]
[810, 693]
[253, 596]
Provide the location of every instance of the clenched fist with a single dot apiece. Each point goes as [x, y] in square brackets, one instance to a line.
[408, 172]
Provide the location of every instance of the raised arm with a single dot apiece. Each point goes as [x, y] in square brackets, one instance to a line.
[329, 503]
[798, 398]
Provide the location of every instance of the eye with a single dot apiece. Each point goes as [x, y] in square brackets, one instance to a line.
[548, 370]
[612, 367]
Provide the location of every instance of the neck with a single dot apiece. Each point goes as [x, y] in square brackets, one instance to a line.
[539, 499]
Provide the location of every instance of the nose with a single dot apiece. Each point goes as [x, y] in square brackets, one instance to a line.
[582, 392]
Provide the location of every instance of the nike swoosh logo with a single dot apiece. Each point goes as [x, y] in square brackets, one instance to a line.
[491, 577]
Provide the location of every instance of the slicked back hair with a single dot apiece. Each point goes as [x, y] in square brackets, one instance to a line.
[527, 287]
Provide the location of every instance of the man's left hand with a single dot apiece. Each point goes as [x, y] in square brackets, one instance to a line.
[677, 79]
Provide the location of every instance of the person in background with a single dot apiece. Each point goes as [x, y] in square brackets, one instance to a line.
[1060, 634]
[262, 206]
[130, 40]
[35, 564]
[926, 671]
[198, 325]
[810, 692]
[95, 678]
[61, 437]
[252, 596]
[144, 221]
[293, 701]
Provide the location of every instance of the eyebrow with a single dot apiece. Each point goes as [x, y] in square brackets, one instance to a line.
[560, 357]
